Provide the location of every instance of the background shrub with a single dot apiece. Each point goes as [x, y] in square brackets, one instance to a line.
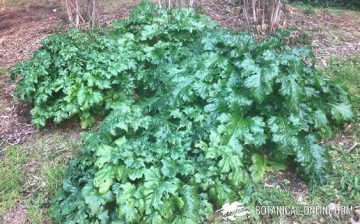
[353, 4]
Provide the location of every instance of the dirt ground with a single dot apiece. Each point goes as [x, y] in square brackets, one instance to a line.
[331, 33]
[16, 215]
[21, 31]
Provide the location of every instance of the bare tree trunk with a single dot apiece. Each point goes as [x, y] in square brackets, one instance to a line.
[264, 14]
[77, 12]
[191, 3]
[69, 11]
[276, 16]
[245, 11]
[74, 9]
[93, 12]
[77, 23]
[263, 25]
[175, 3]
[254, 10]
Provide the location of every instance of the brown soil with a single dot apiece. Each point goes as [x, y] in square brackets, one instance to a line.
[16, 215]
[225, 12]
[295, 185]
[331, 34]
[22, 29]
[21, 32]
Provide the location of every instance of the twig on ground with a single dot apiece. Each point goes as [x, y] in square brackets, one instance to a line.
[352, 147]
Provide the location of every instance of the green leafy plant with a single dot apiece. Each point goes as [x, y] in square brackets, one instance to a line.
[150, 168]
[351, 185]
[75, 74]
[198, 115]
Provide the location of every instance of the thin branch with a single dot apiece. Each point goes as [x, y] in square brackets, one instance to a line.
[72, 6]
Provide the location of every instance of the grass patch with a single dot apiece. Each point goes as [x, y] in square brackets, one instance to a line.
[11, 162]
[343, 189]
[347, 74]
[344, 185]
[33, 173]
[48, 157]
[2, 71]
[39, 200]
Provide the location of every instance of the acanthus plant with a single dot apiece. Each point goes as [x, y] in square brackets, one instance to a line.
[198, 115]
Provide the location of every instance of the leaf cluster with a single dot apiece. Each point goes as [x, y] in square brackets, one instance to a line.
[75, 74]
[198, 115]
